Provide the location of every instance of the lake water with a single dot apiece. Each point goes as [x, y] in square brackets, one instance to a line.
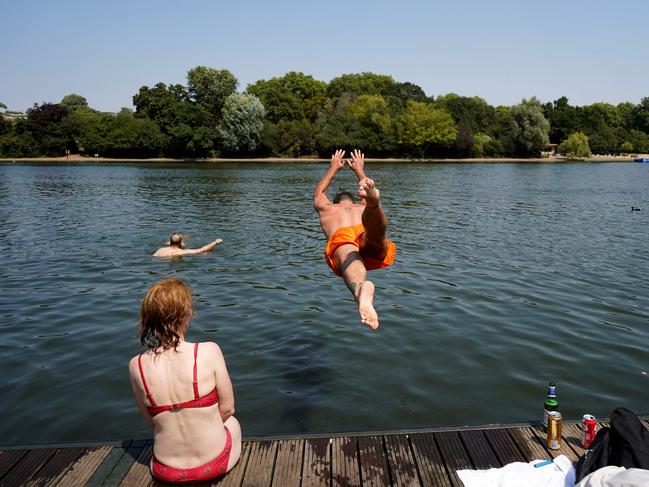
[507, 276]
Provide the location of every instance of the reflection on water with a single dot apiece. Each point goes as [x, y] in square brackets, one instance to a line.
[507, 276]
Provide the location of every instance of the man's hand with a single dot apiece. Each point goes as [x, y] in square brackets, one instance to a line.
[212, 244]
[337, 161]
[358, 164]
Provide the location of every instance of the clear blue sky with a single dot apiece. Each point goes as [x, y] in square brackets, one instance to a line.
[501, 50]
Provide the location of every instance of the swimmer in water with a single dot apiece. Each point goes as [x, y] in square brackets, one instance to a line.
[356, 233]
[177, 247]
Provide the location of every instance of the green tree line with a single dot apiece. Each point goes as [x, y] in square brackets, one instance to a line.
[297, 115]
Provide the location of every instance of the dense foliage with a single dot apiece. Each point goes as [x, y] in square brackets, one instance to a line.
[575, 146]
[297, 115]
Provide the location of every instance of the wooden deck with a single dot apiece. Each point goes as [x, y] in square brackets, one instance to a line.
[416, 458]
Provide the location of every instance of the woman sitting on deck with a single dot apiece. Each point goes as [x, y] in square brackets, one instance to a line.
[196, 436]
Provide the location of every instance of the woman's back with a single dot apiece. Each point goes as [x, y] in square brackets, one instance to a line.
[188, 427]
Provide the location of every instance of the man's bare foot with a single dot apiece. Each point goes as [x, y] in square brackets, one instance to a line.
[369, 192]
[365, 300]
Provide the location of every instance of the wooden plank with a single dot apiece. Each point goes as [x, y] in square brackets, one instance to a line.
[107, 465]
[572, 435]
[288, 463]
[479, 449]
[81, 470]
[139, 475]
[316, 468]
[374, 468]
[345, 468]
[429, 460]
[403, 469]
[27, 467]
[260, 464]
[564, 448]
[235, 476]
[56, 467]
[9, 458]
[124, 464]
[527, 442]
[454, 454]
[504, 446]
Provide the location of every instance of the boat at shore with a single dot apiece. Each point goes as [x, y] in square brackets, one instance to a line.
[641, 159]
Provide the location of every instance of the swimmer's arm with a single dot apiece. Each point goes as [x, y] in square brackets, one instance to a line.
[223, 383]
[133, 370]
[204, 248]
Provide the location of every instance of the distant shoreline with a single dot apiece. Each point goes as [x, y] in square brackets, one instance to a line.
[85, 159]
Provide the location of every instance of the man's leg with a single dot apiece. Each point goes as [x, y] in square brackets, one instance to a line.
[375, 243]
[352, 268]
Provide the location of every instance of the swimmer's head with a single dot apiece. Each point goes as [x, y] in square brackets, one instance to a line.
[176, 240]
[342, 196]
[165, 312]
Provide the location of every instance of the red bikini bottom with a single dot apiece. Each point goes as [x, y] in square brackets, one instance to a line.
[211, 470]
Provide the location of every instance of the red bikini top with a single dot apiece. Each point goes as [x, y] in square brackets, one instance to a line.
[209, 399]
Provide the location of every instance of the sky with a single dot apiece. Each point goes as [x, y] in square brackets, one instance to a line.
[500, 50]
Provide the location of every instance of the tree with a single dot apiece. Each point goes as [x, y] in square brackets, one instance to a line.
[564, 119]
[360, 84]
[575, 146]
[294, 96]
[186, 125]
[531, 128]
[474, 113]
[405, 91]
[375, 130]
[482, 145]
[626, 146]
[210, 87]
[74, 102]
[4, 125]
[422, 126]
[465, 141]
[128, 136]
[335, 128]
[289, 138]
[44, 124]
[639, 140]
[242, 123]
[641, 116]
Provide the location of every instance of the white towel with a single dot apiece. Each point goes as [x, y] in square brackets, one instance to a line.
[559, 473]
[616, 477]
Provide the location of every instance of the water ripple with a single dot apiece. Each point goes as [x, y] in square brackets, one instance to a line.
[507, 276]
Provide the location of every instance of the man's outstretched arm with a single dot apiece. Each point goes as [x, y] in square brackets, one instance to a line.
[358, 164]
[204, 248]
[320, 199]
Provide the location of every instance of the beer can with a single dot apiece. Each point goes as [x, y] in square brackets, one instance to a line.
[589, 427]
[555, 422]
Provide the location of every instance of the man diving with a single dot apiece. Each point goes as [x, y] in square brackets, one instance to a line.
[355, 232]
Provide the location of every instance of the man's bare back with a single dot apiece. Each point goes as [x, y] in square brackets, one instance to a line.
[343, 214]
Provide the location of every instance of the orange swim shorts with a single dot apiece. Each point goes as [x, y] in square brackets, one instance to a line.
[352, 236]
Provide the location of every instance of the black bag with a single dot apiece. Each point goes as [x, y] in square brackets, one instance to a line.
[629, 442]
[624, 444]
[594, 458]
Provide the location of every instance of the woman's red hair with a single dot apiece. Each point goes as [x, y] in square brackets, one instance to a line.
[164, 314]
